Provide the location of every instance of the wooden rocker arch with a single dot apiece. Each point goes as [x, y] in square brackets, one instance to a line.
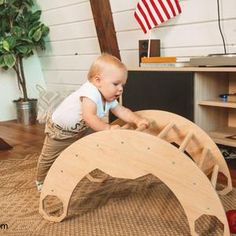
[191, 139]
[131, 154]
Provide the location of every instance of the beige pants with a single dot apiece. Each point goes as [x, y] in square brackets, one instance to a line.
[55, 142]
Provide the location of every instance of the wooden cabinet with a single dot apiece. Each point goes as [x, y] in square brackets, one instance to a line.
[189, 91]
[162, 90]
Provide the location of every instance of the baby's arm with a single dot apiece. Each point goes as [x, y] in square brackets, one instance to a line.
[89, 114]
[128, 116]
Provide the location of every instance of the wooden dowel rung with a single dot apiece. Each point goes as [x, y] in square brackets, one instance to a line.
[214, 175]
[203, 157]
[126, 126]
[167, 128]
[187, 139]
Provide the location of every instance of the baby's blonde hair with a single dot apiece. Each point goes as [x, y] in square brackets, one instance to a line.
[101, 63]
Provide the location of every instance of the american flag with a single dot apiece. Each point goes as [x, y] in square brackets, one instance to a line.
[151, 13]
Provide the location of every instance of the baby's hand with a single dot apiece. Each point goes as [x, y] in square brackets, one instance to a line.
[115, 127]
[143, 123]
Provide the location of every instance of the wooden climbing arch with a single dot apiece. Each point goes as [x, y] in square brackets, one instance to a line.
[191, 139]
[131, 154]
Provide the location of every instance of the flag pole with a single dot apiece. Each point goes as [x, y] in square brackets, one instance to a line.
[149, 43]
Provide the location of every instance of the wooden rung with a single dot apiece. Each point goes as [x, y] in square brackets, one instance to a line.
[167, 128]
[187, 139]
[126, 126]
[203, 157]
[214, 175]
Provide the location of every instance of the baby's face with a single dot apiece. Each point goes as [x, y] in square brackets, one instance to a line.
[111, 83]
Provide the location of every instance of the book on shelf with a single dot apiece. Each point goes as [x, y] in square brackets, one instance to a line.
[171, 64]
[158, 59]
[183, 59]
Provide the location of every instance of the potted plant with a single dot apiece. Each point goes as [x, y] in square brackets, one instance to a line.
[21, 33]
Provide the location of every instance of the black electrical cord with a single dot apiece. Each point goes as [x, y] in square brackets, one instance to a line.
[222, 36]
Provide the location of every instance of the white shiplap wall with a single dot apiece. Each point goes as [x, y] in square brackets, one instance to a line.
[73, 43]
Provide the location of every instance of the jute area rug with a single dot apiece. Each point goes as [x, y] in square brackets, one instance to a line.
[140, 207]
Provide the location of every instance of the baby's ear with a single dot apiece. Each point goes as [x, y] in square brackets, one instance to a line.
[97, 81]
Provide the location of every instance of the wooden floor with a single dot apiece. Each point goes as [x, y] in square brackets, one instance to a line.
[25, 139]
[29, 139]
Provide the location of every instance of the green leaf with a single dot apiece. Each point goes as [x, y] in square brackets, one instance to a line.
[42, 44]
[32, 30]
[37, 35]
[6, 45]
[1, 2]
[28, 3]
[2, 63]
[35, 24]
[23, 49]
[45, 30]
[9, 60]
[24, 39]
[17, 31]
[11, 41]
[35, 16]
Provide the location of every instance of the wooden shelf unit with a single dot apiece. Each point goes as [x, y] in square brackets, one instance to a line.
[216, 103]
[225, 136]
[216, 117]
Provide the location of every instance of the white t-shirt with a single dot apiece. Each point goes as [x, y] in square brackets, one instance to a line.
[68, 114]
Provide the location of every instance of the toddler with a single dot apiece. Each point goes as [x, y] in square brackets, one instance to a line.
[81, 112]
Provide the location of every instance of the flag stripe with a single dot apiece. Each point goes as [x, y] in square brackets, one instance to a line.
[164, 8]
[154, 13]
[175, 9]
[144, 28]
[162, 13]
[147, 15]
[178, 6]
[144, 16]
[157, 11]
[168, 9]
[171, 7]
[151, 13]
